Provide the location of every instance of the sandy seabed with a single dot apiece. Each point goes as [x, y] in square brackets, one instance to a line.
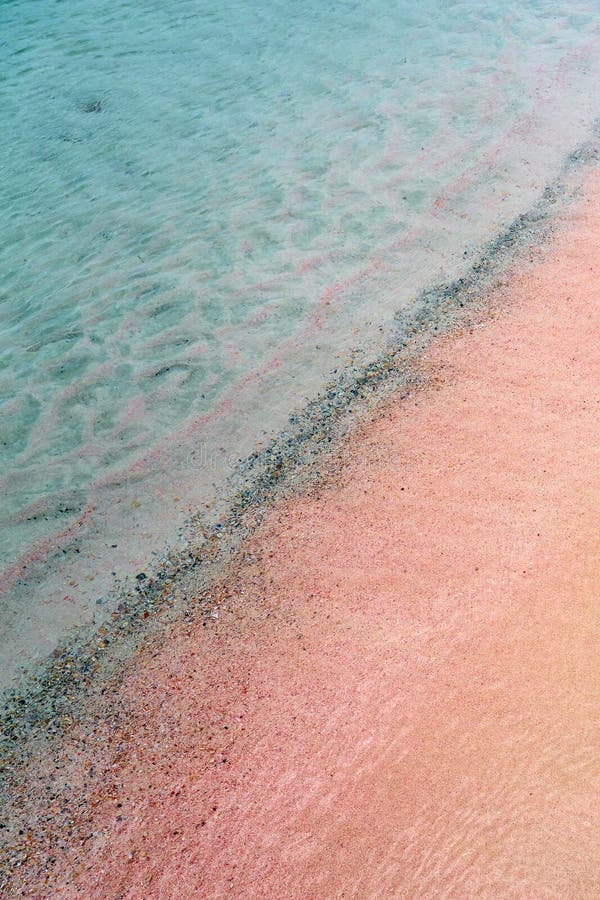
[399, 692]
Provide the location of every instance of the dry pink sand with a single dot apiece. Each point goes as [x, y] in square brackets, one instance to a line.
[406, 700]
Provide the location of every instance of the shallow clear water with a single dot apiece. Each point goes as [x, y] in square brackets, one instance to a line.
[192, 191]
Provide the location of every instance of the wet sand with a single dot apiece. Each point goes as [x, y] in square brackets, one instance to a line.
[398, 693]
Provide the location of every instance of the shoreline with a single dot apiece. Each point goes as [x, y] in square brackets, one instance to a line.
[287, 462]
[396, 378]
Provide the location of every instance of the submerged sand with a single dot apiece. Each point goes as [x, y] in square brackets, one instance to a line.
[398, 694]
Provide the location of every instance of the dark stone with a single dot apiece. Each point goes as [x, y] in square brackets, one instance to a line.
[92, 106]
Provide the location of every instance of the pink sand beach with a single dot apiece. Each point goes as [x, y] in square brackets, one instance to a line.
[398, 694]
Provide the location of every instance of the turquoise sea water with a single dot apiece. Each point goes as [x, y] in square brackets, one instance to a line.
[192, 191]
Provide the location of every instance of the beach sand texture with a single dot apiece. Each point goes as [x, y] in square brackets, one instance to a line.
[399, 695]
